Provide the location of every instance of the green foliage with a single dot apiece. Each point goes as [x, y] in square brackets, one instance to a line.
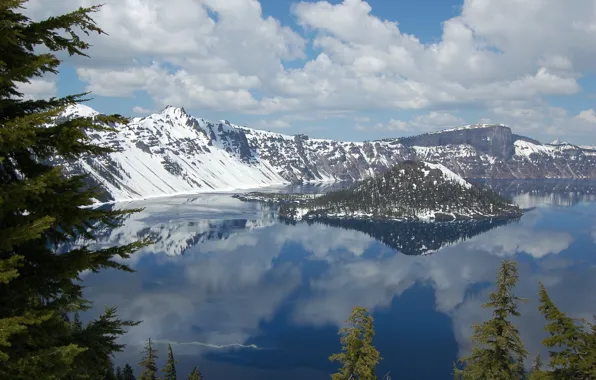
[128, 373]
[570, 346]
[358, 357]
[499, 352]
[119, 373]
[109, 374]
[40, 210]
[170, 368]
[149, 362]
[588, 364]
[536, 372]
[402, 192]
[99, 339]
[195, 375]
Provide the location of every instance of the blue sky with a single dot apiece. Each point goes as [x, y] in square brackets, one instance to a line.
[350, 70]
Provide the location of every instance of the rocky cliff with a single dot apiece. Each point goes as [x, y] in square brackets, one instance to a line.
[171, 152]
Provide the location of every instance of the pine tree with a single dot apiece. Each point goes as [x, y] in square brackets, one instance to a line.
[569, 340]
[499, 352]
[40, 209]
[195, 375]
[588, 363]
[127, 373]
[359, 358]
[536, 372]
[537, 365]
[170, 367]
[98, 337]
[110, 375]
[149, 362]
[119, 373]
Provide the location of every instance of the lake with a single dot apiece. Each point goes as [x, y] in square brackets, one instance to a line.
[243, 296]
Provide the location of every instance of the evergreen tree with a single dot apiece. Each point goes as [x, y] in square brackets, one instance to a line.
[359, 358]
[98, 337]
[499, 352]
[195, 375]
[588, 364]
[149, 362]
[110, 375]
[40, 209]
[119, 373]
[568, 339]
[536, 372]
[537, 365]
[127, 373]
[170, 367]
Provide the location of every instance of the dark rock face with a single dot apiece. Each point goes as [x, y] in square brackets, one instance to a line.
[495, 140]
[489, 151]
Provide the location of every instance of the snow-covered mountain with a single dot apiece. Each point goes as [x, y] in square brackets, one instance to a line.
[171, 152]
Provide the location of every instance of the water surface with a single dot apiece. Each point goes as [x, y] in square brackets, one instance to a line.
[243, 296]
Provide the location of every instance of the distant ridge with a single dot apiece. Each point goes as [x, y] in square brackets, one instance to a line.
[172, 152]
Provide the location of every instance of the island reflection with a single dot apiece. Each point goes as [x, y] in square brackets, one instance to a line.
[244, 296]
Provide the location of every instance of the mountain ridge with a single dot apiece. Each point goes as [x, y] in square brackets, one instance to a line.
[172, 152]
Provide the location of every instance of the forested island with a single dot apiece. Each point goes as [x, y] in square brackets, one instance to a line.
[408, 191]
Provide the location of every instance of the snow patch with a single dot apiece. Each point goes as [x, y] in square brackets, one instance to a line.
[448, 174]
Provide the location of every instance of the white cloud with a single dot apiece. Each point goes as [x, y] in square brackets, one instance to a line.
[38, 88]
[141, 110]
[587, 116]
[392, 125]
[179, 53]
[419, 124]
[270, 124]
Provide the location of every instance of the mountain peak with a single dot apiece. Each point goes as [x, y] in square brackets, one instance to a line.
[173, 111]
[79, 110]
[559, 142]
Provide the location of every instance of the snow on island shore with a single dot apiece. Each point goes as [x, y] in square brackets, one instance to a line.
[408, 191]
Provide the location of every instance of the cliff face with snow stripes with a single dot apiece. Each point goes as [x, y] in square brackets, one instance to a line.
[171, 152]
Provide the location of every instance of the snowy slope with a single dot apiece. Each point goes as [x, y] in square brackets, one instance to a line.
[171, 152]
[448, 174]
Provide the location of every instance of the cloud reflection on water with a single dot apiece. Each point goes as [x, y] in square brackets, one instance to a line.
[238, 277]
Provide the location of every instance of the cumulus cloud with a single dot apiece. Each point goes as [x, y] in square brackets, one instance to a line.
[270, 124]
[423, 123]
[37, 88]
[587, 116]
[227, 55]
[141, 110]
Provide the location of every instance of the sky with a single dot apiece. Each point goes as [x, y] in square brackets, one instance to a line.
[349, 70]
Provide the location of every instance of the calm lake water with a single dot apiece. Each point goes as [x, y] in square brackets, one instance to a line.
[243, 296]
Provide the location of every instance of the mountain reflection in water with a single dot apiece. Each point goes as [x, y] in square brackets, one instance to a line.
[244, 296]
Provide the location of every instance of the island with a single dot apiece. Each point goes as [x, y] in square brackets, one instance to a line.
[408, 191]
